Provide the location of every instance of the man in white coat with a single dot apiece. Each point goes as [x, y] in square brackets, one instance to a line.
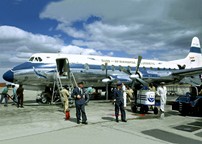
[162, 92]
[124, 95]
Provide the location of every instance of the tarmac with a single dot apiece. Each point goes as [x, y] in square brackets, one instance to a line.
[44, 123]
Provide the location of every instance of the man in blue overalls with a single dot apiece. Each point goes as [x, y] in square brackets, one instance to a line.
[4, 95]
[119, 103]
[78, 94]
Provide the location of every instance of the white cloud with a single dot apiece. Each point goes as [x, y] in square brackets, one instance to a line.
[133, 26]
[77, 50]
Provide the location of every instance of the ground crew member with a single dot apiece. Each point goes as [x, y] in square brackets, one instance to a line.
[124, 95]
[162, 92]
[65, 94]
[4, 95]
[119, 103]
[79, 96]
[129, 93]
[20, 95]
[152, 87]
[15, 97]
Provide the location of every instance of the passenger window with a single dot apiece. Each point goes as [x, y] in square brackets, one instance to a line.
[113, 68]
[35, 59]
[103, 67]
[86, 66]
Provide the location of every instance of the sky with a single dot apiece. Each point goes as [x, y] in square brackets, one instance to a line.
[154, 29]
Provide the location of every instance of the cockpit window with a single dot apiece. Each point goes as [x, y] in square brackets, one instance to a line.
[40, 59]
[31, 59]
[35, 59]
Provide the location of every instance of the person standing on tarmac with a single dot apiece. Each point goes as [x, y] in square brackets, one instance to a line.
[19, 92]
[15, 97]
[65, 94]
[124, 95]
[4, 95]
[162, 92]
[119, 103]
[78, 94]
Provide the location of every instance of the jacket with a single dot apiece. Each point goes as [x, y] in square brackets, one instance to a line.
[78, 91]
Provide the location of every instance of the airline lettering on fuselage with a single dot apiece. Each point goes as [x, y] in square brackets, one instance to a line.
[118, 61]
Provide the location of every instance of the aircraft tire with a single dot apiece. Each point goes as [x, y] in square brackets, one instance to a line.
[44, 98]
[134, 108]
[156, 110]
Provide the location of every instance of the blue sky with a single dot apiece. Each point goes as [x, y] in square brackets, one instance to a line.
[160, 29]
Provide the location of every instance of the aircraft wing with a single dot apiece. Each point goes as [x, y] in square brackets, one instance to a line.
[187, 72]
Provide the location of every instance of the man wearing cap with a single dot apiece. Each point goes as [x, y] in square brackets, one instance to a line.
[162, 92]
[119, 103]
[79, 96]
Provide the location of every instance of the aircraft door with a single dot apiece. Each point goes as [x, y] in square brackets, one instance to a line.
[63, 66]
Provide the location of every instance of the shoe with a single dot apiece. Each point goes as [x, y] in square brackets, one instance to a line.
[22, 106]
[78, 122]
[124, 120]
[117, 120]
[84, 123]
[5, 106]
[161, 111]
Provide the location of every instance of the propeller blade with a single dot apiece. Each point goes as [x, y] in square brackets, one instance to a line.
[125, 70]
[142, 81]
[138, 63]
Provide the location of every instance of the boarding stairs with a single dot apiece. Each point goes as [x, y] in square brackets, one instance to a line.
[60, 81]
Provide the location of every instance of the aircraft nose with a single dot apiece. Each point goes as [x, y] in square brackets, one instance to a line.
[8, 76]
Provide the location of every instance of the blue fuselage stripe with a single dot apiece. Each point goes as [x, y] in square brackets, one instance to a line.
[145, 71]
[195, 50]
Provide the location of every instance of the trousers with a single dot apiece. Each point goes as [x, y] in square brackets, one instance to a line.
[120, 105]
[20, 100]
[80, 111]
[5, 97]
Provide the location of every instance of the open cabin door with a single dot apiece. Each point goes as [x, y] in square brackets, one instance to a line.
[63, 67]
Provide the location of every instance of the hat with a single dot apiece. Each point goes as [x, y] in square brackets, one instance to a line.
[81, 82]
[162, 83]
[119, 84]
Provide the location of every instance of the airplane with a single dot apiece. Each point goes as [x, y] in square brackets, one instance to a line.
[42, 69]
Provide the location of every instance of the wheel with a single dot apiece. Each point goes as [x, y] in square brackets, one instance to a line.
[146, 109]
[44, 98]
[37, 100]
[142, 109]
[134, 108]
[156, 110]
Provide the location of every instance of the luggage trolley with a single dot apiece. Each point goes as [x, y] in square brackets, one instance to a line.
[145, 99]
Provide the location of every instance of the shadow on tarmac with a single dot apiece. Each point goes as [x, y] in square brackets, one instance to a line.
[108, 118]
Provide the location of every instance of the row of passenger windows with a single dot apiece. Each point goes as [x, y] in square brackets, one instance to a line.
[35, 59]
[113, 68]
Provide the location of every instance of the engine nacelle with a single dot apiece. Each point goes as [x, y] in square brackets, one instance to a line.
[107, 80]
[135, 76]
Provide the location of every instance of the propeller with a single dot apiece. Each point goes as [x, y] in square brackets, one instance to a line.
[138, 64]
[137, 75]
[127, 71]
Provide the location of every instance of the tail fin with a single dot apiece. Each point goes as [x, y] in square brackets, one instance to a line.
[194, 57]
[195, 46]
